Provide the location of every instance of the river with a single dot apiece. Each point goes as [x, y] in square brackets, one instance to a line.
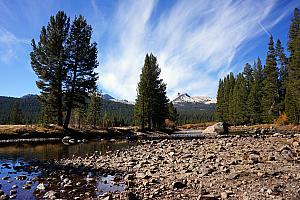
[16, 171]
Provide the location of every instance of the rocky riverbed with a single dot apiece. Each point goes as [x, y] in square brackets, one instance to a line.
[258, 167]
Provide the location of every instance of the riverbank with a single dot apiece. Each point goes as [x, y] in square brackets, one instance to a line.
[260, 167]
[27, 133]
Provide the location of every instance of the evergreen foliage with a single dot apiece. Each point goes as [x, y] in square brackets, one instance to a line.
[81, 63]
[48, 60]
[64, 60]
[173, 114]
[292, 97]
[94, 109]
[261, 94]
[270, 86]
[151, 108]
[282, 76]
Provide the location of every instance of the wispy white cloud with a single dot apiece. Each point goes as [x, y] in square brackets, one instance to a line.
[9, 44]
[195, 42]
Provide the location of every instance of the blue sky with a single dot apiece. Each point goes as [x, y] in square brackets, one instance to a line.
[196, 41]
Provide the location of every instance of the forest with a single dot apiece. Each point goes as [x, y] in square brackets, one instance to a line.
[265, 94]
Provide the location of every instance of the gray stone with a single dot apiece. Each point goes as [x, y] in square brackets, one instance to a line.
[51, 195]
[218, 128]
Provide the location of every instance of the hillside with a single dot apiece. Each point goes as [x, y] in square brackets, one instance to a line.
[117, 112]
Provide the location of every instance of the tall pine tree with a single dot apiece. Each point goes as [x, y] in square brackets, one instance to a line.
[270, 89]
[219, 113]
[282, 76]
[292, 97]
[151, 108]
[81, 63]
[48, 60]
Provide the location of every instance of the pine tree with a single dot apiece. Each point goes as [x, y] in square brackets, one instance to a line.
[82, 61]
[94, 109]
[247, 73]
[240, 99]
[282, 76]
[173, 114]
[231, 99]
[16, 114]
[219, 113]
[292, 97]
[227, 88]
[293, 32]
[151, 106]
[255, 95]
[270, 90]
[48, 60]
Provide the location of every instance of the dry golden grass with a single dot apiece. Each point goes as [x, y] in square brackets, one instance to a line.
[19, 129]
[197, 126]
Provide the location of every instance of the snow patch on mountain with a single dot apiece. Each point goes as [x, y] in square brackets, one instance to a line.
[185, 98]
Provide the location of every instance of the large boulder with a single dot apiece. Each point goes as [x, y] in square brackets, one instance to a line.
[219, 128]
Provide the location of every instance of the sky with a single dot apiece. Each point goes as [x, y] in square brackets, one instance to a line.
[196, 42]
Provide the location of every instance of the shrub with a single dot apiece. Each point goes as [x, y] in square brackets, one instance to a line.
[282, 119]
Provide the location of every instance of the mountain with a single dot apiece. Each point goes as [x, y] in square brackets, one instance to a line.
[107, 97]
[186, 99]
[124, 101]
[194, 109]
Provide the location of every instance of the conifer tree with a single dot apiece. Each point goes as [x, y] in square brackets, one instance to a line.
[16, 114]
[240, 100]
[292, 97]
[151, 106]
[231, 99]
[173, 114]
[219, 113]
[227, 88]
[270, 89]
[255, 95]
[94, 109]
[282, 76]
[81, 63]
[48, 60]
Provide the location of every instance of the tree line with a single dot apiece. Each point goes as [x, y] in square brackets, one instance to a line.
[261, 93]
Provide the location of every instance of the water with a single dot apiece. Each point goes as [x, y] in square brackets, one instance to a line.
[15, 159]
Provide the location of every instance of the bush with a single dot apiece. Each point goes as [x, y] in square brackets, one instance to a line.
[282, 119]
[170, 124]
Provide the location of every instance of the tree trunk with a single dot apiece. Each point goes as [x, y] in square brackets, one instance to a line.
[68, 117]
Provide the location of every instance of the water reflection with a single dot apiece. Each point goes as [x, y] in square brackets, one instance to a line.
[15, 159]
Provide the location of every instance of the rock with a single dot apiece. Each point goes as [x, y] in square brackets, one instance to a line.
[224, 195]
[41, 186]
[1, 192]
[5, 177]
[51, 195]
[66, 138]
[12, 192]
[232, 176]
[253, 159]
[14, 186]
[287, 153]
[13, 196]
[207, 197]
[129, 177]
[178, 185]
[26, 187]
[4, 197]
[269, 191]
[218, 128]
[107, 198]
